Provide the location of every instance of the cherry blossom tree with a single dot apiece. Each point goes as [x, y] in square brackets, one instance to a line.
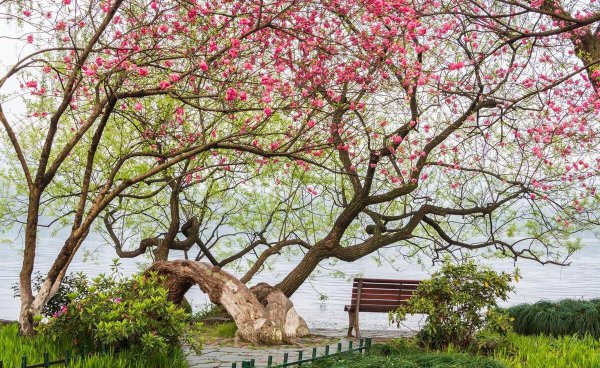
[119, 92]
[431, 127]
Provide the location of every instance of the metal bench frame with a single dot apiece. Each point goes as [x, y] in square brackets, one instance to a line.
[377, 296]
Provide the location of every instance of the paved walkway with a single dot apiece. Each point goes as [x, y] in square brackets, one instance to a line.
[217, 356]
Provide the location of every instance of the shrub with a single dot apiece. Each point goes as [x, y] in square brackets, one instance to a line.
[73, 286]
[565, 317]
[120, 313]
[459, 300]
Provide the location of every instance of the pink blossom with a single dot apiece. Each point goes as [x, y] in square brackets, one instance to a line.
[243, 96]
[30, 38]
[456, 66]
[60, 26]
[31, 84]
[268, 111]
[164, 84]
[231, 94]
[67, 2]
[143, 72]
[203, 65]
[138, 106]
[174, 77]
[27, 13]
[89, 71]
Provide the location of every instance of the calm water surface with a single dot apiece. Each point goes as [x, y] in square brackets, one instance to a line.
[580, 280]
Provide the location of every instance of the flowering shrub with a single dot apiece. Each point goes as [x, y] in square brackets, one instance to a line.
[459, 301]
[120, 313]
[72, 287]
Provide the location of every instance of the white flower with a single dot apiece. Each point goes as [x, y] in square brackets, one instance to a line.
[45, 320]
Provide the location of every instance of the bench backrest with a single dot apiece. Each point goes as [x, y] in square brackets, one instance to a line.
[381, 295]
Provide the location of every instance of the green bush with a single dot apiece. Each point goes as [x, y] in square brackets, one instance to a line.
[72, 286]
[120, 313]
[565, 317]
[459, 300]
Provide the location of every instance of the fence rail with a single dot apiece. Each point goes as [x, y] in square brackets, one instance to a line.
[363, 346]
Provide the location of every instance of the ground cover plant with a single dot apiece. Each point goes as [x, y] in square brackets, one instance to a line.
[15, 346]
[564, 317]
[515, 351]
[403, 356]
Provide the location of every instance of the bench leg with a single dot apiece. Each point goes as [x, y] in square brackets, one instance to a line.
[351, 316]
[356, 325]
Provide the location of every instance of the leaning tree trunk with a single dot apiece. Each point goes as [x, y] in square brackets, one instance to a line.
[263, 315]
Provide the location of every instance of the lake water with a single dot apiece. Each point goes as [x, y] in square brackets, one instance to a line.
[579, 280]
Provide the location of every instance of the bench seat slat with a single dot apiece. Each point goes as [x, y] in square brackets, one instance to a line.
[387, 286]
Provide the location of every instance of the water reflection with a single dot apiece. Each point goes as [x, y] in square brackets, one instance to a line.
[580, 280]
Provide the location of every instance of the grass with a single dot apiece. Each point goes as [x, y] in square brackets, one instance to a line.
[516, 352]
[546, 351]
[13, 347]
[397, 354]
[562, 318]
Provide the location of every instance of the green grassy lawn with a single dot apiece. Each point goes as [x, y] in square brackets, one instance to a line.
[13, 347]
[517, 352]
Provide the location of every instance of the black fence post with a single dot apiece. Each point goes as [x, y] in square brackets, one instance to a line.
[368, 343]
[270, 361]
[46, 360]
[299, 357]
[233, 365]
[24, 362]
[67, 358]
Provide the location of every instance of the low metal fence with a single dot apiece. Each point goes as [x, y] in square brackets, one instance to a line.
[301, 357]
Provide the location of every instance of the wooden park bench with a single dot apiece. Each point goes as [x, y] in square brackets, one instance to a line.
[378, 296]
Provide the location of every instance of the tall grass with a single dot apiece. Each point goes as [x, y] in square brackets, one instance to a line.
[546, 352]
[565, 317]
[13, 347]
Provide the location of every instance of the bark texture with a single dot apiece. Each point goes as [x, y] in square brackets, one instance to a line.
[263, 314]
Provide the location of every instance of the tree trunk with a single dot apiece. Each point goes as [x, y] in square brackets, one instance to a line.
[268, 317]
[302, 271]
[25, 289]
